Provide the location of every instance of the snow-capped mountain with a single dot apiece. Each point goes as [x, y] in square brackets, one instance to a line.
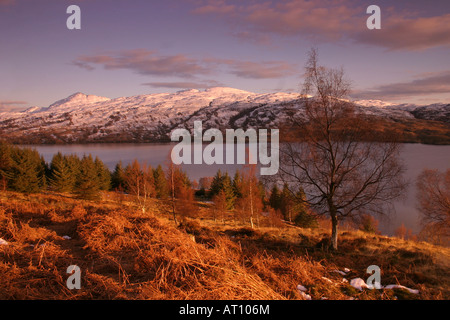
[152, 117]
[75, 100]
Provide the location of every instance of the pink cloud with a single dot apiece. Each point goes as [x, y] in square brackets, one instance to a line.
[332, 20]
[429, 84]
[215, 7]
[147, 62]
[410, 34]
[327, 19]
[319, 18]
[246, 36]
[261, 70]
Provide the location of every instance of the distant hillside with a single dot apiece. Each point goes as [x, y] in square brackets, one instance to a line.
[82, 118]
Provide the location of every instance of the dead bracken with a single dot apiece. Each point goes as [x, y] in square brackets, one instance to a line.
[124, 253]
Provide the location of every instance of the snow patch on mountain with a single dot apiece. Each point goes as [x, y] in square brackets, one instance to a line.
[373, 103]
[151, 117]
[76, 99]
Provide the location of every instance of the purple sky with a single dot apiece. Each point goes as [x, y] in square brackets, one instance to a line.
[127, 48]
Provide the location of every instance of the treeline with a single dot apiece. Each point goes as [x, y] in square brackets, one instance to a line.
[247, 197]
[243, 197]
[22, 169]
[25, 170]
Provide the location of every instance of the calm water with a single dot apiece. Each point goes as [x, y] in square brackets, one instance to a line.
[416, 157]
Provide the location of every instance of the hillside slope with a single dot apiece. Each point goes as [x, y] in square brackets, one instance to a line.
[125, 254]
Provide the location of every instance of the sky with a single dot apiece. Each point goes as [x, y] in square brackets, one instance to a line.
[127, 48]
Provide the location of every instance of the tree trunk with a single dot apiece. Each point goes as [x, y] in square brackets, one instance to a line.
[173, 212]
[334, 231]
[3, 183]
[251, 205]
[173, 195]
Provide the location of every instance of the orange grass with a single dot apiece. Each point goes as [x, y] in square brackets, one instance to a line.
[126, 254]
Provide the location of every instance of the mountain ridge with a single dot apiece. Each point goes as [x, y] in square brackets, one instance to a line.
[81, 117]
[78, 98]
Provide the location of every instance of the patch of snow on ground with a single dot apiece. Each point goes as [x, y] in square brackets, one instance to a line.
[358, 283]
[342, 273]
[398, 286]
[305, 296]
[301, 289]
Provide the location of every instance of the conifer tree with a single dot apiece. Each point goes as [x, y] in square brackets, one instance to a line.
[87, 185]
[5, 164]
[25, 177]
[161, 187]
[223, 182]
[73, 162]
[286, 203]
[42, 171]
[227, 188]
[303, 216]
[21, 169]
[27, 171]
[118, 177]
[275, 197]
[237, 184]
[62, 178]
[104, 175]
[216, 184]
[294, 208]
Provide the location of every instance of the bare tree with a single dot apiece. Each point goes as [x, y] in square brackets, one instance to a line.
[220, 205]
[171, 178]
[401, 231]
[342, 167]
[433, 194]
[250, 204]
[181, 192]
[139, 182]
